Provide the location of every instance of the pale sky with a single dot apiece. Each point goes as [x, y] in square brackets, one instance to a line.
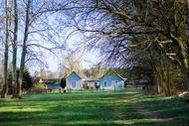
[88, 58]
[74, 43]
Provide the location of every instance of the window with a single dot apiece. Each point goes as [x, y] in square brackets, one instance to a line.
[73, 84]
[105, 83]
[116, 82]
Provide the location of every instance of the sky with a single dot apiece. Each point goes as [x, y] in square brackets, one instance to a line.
[88, 58]
[74, 45]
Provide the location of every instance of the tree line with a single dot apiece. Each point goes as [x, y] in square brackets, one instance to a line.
[23, 26]
[151, 37]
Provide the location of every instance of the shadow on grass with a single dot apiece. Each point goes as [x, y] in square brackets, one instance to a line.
[94, 109]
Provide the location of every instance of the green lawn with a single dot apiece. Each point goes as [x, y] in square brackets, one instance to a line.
[108, 108]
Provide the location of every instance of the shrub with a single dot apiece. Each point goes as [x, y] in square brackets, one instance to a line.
[63, 82]
[39, 88]
[97, 85]
[26, 83]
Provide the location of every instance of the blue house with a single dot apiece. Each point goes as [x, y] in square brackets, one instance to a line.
[76, 81]
[111, 82]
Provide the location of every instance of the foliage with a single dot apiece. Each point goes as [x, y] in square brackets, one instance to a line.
[35, 80]
[97, 86]
[147, 35]
[150, 35]
[27, 79]
[98, 71]
[38, 88]
[72, 64]
[63, 82]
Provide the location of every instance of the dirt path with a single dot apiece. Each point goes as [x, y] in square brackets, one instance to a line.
[148, 114]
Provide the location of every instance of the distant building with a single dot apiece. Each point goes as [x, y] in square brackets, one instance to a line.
[111, 82]
[79, 82]
[74, 81]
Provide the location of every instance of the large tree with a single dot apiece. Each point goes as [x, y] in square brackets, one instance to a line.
[5, 69]
[24, 47]
[125, 29]
[14, 45]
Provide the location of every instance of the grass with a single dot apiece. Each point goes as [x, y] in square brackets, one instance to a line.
[108, 108]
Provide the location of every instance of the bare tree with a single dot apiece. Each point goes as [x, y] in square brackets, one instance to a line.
[36, 24]
[15, 41]
[118, 26]
[5, 70]
[24, 47]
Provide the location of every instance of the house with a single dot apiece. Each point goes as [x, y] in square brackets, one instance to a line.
[90, 83]
[79, 82]
[74, 81]
[111, 82]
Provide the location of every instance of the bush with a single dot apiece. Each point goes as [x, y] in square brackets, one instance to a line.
[26, 83]
[97, 85]
[39, 88]
[63, 82]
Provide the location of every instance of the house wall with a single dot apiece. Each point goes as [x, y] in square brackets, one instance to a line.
[111, 82]
[90, 84]
[73, 81]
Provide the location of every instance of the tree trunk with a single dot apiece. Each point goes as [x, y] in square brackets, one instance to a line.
[168, 80]
[158, 86]
[186, 76]
[14, 74]
[185, 62]
[5, 69]
[187, 23]
[24, 49]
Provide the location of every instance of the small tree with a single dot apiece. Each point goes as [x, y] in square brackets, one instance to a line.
[97, 85]
[63, 83]
[39, 88]
[27, 80]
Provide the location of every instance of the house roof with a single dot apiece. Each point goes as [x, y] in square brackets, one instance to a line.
[91, 80]
[124, 79]
[81, 77]
[114, 74]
